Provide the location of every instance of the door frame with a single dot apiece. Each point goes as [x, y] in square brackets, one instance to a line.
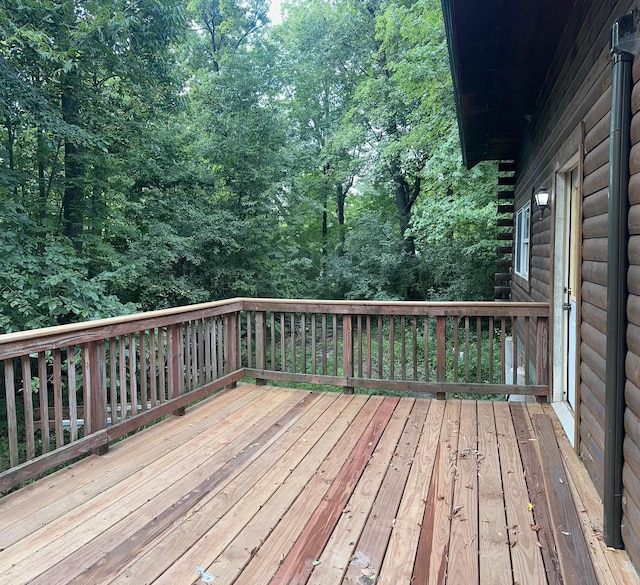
[568, 415]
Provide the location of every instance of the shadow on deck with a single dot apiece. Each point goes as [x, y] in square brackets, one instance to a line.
[268, 485]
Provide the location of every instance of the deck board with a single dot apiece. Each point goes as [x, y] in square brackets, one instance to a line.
[269, 485]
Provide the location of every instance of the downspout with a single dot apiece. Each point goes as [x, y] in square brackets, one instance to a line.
[622, 53]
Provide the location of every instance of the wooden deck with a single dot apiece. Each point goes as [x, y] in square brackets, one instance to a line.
[268, 485]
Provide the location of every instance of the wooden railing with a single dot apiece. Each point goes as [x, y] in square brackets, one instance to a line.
[427, 347]
[73, 389]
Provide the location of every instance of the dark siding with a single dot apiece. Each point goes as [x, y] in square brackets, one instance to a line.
[631, 472]
[578, 98]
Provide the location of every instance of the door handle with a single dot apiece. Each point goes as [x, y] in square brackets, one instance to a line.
[566, 307]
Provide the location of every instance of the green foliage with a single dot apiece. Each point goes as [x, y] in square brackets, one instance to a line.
[160, 153]
[43, 282]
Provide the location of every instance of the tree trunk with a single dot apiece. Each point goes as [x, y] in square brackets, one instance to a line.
[404, 204]
[341, 195]
[325, 236]
[73, 196]
[42, 180]
[11, 138]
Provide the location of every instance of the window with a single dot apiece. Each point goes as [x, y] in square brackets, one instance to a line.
[521, 261]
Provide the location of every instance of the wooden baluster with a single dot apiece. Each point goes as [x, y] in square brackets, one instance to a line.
[479, 349]
[380, 336]
[514, 336]
[293, 342]
[314, 349]
[201, 345]
[392, 347]
[73, 402]
[12, 418]
[144, 393]
[220, 346]
[43, 392]
[324, 344]
[173, 360]
[403, 347]
[335, 345]
[231, 344]
[153, 383]
[208, 350]
[491, 333]
[427, 374]
[503, 350]
[133, 374]
[542, 352]
[57, 397]
[414, 346]
[527, 349]
[162, 365]
[272, 320]
[303, 329]
[87, 388]
[456, 348]
[27, 395]
[467, 348]
[283, 345]
[359, 343]
[441, 352]
[188, 361]
[113, 375]
[368, 346]
[195, 357]
[347, 351]
[249, 340]
[261, 344]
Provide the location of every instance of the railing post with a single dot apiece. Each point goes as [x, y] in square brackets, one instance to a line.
[95, 390]
[542, 353]
[261, 344]
[174, 365]
[231, 344]
[347, 350]
[441, 352]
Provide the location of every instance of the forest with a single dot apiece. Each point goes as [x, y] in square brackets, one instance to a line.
[157, 153]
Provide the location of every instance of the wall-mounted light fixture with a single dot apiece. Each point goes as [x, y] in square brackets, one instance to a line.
[542, 198]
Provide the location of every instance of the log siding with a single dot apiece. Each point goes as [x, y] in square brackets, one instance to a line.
[574, 109]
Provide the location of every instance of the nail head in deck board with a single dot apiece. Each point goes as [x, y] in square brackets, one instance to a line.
[279, 540]
[537, 492]
[399, 558]
[373, 541]
[341, 545]
[298, 563]
[433, 547]
[525, 554]
[191, 541]
[493, 548]
[114, 524]
[574, 560]
[462, 565]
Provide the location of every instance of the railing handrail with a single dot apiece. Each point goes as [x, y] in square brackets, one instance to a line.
[33, 340]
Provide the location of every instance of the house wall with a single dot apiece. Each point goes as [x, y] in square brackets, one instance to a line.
[572, 123]
[631, 469]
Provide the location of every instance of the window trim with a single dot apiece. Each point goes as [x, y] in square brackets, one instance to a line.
[522, 242]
